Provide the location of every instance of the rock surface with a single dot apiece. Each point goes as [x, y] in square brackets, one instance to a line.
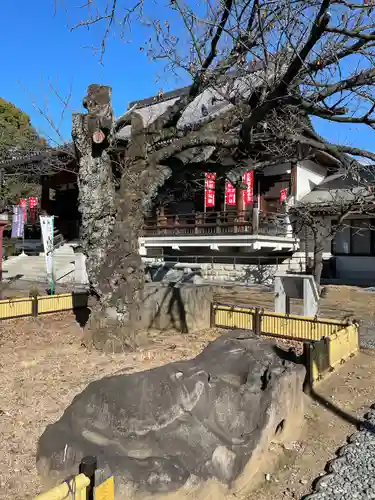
[351, 476]
[185, 307]
[182, 425]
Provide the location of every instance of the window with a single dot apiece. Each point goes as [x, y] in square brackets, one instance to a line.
[342, 241]
[361, 237]
[357, 237]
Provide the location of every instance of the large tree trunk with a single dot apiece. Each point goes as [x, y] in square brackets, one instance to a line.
[112, 217]
[318, 267]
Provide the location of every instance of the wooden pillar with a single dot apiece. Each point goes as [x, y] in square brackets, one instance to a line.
[240, 209]
[44, 202]
[161, 220]
[293, 179]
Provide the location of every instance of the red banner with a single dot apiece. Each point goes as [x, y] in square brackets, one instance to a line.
[283, 196]
[33, 203]
[248, 180]
[209, 190]
[23, 204]
[230, 194]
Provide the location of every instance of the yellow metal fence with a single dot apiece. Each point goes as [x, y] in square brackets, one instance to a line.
[16, 308]
[275, 324]
[73, 489]
[33, 306]
[327, 342]
[325, 355]
[89, 484]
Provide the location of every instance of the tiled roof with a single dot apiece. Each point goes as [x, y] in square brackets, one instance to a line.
[213, 101]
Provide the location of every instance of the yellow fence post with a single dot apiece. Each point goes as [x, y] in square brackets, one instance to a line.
[105, 490]
[88, 467]
[327, 342]
[72, 489]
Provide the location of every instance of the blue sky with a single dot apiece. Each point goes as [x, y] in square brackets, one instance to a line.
[38, 47]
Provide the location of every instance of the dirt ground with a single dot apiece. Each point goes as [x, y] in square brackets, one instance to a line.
[342, 302]
[333, 412]
[43, 366]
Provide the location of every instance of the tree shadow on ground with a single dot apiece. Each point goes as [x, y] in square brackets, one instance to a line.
[175, 309]
[80, 308]
[362, 424]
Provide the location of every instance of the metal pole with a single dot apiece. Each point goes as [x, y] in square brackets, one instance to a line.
[52, 284]
[205, 190]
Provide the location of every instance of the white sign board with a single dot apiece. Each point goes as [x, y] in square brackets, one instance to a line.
[47, 228]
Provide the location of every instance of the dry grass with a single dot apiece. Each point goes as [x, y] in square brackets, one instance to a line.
[341, 302]
[42, 367]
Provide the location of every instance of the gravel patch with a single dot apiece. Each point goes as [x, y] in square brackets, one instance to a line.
[351, 476]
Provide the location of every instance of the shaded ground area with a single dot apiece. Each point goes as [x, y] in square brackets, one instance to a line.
[333, 413]
[338, 302]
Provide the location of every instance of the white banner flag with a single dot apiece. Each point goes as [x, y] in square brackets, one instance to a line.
[47, 228]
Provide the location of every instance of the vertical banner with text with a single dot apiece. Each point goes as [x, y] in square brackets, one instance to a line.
[33, 204]
[47, 229]
[18, 223]
[209, 190]
[248, 180]
[283, 196]
[230, 194]
[23, 204]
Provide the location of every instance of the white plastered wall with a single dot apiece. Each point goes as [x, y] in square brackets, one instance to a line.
[309, 175]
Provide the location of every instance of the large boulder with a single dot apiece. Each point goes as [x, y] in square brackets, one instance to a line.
[182, 425]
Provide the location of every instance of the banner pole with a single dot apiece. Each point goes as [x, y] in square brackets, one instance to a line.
[52, 285]
[205, 192]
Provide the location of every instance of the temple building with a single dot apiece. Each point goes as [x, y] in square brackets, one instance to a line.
[200, 217]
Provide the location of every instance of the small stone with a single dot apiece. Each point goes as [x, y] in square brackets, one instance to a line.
[268, 477]
[303, 481]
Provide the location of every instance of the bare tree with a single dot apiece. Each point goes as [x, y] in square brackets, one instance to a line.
[317, 223]
[25, 154]
[259, 63]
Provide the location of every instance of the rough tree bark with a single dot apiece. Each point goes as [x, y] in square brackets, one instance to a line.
[112, 212]
[318, 262]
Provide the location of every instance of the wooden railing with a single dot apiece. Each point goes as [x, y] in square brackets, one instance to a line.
[209, 223]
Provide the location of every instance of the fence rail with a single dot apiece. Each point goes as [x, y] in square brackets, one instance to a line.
[16, 308]
[292, 326]
[89, 484]
[208, 223]
[34, 306]
[327, 342]
[74, 489]
[325, 355]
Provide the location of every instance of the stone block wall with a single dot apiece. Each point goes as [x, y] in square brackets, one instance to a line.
[186, 308]
[250, 273]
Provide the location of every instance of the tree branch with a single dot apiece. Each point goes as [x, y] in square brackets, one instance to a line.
[367, 37]
[357, 80]
[335, 149]
[295, 66]
[193, 141]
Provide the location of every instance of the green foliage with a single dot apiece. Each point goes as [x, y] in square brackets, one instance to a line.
[18, 135]
[17, 187]
[16, 131]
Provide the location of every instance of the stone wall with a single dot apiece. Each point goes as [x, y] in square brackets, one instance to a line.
[249, 273]
[262, 273]
[186, 308]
